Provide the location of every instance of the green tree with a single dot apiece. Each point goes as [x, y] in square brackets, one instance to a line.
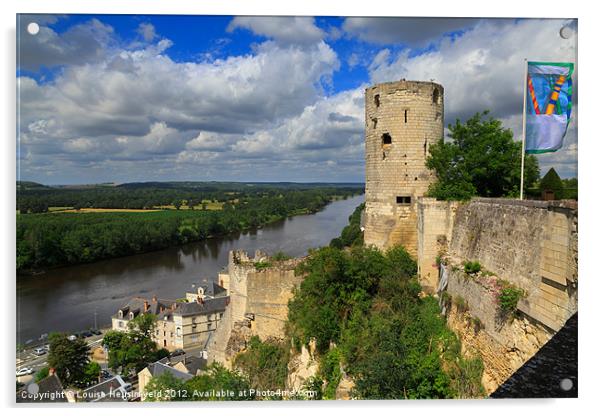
[165, 387]
[265, 363]
[91, 373]
[218, 379]
[133, 350]
[482, 159]
[68, 358]
[552, 182]
[42, 374]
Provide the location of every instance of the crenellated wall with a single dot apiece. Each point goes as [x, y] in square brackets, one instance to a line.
[259, 298]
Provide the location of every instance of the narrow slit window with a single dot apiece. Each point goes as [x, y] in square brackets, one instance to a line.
[374, 122]
[436, 96]
[386, 138]
[405, 116]
[377, 100]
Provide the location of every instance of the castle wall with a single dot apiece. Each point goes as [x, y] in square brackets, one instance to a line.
[402, 120]
[258, 303]
[532, 245]
[435, 223]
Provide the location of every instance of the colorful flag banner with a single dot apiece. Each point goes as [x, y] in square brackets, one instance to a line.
[548, 105]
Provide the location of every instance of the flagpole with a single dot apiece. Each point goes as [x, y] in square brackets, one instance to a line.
[522, 154]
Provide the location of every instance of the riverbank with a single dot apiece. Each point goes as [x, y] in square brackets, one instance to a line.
[66, 298]
[45, 242]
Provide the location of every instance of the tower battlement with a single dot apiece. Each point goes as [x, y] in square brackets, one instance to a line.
[403, 119]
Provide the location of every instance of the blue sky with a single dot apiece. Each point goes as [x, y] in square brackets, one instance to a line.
[119, 98]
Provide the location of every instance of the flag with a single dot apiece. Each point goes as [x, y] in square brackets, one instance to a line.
[548, 110]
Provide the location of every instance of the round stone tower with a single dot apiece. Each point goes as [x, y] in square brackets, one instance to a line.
[402, 120]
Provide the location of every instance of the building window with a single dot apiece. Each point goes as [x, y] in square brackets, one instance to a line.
[386, 139]
[404, 200]
[377, 100]
[178, 331]
[209, 326]
[120, 324]
[405, 116]
[374, 122]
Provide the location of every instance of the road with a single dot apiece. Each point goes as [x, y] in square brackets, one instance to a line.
[27, 358]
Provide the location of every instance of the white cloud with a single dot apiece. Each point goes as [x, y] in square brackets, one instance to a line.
[82, 43]
[484, 69]
[147, 31]
[286, 30]
[413, 31]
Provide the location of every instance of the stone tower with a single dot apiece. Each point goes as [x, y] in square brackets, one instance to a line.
[402, 120]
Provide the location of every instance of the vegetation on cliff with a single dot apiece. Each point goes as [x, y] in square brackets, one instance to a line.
[352, 234]
[215, 384]
[482, 159]
[366, 312]
[264, 363]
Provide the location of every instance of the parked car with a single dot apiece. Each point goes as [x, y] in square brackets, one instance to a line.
[96, 332]
[86, 334]
[40, 351]
[127, 386]
[177, 352]
[72, 337]
[105, 374]
[24, 371]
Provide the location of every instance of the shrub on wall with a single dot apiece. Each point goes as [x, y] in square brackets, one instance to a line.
[472, 267]
[508, 296]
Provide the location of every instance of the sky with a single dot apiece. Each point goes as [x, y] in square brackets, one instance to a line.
[128, 98]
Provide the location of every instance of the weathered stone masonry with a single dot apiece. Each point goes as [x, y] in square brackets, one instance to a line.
[403, 119]
[531, 244]
[259, 303]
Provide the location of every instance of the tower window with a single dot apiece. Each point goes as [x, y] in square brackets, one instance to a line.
[386, 138]
[377, 100]
[436, 96]
[404, 200]
[374, 122]
[405, 116]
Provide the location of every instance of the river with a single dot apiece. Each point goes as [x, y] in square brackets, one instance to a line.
[72, 298]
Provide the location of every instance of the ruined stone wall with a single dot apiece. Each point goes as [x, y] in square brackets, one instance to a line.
[268, 293]
[402, 120]
[258, 303]
[435, 224]
[533, 246]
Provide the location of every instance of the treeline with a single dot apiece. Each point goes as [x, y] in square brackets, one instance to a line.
[352, 234]
[48, 240]
[35, 198]
[364, 310]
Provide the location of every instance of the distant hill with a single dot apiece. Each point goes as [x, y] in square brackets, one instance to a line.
[30, 186]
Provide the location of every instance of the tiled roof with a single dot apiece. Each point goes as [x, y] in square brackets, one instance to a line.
[202, 308]
[136, 305]
[158, 368]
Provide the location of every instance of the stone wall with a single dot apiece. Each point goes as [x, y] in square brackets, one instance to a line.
[258, 302]
[435, 223]
[402, 120]
[531, 245]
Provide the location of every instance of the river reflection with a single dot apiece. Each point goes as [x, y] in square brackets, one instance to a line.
[69, 298]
